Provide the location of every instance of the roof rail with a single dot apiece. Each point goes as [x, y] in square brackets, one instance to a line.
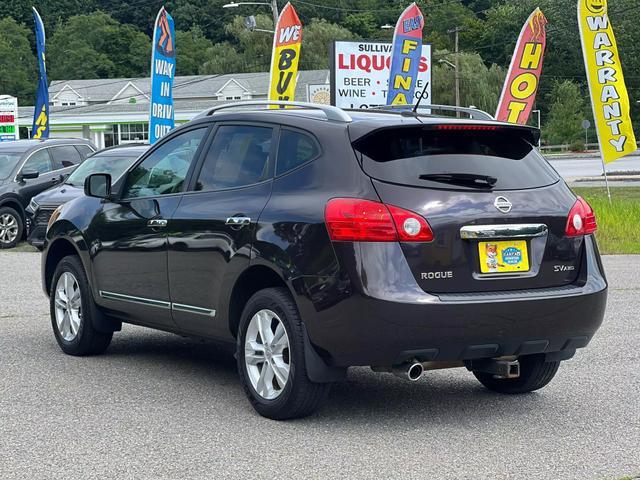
[474, 113]
[334, 114]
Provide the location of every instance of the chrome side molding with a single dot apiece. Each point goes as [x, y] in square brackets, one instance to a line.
[150, 302]
[522, 230]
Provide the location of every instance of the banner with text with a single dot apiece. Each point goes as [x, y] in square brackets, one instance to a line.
[9, 118]
[360, 75]
[40, 128]
[521, 85]
[287, 40]
[609, 96]
[406, 51]
[163, 69]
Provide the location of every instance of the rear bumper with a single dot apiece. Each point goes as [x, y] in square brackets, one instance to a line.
[385, 322]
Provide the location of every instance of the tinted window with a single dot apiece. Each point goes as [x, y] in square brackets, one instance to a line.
[405, 155]
[295, 148]
[238, 156]
[85, 150]
[114, 165]
[164, 171]
[65, 156]
[39, 161]
[8, 161]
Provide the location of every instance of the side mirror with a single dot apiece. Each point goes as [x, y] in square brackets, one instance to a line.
[27, 174]
[98, 185]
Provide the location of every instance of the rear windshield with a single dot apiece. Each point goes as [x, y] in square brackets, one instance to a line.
[417, 156]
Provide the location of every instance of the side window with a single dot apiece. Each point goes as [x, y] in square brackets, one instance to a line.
[85, 150]
[39, 161]
[295, 148]
[238, 156]
[65, 156]
[164, 171]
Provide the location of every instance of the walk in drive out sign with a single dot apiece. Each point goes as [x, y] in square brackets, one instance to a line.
[163, 69]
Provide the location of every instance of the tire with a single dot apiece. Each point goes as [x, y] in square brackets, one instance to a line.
[299, 396]
[11, 227]
[73, 323]
[535, 373]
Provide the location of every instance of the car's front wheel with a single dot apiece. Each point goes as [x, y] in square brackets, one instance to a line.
[73, 310]
[11, 227]
[271, 361]
[535, 373]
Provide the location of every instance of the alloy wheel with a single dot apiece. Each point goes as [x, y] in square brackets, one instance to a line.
[267, 354]
[8, 228]
[68, 306]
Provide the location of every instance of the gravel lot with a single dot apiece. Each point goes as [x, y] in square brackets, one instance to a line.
[160, 406]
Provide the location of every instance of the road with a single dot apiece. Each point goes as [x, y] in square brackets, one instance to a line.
[580, 166]
[158, 406]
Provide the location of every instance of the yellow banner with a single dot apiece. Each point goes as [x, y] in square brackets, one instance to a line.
[286, 55]
[609, 96]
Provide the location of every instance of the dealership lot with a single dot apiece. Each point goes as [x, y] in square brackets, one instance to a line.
[160, 406]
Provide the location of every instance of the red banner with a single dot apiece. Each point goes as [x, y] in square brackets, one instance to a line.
[521, 86]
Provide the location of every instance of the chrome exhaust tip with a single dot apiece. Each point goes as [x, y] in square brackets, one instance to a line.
[411, 371]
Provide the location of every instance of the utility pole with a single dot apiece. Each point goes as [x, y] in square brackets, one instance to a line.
[456, 31]
[274, 9]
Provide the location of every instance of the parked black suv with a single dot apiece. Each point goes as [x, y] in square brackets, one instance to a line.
[316, 239]
[114, 161]
[27, 167]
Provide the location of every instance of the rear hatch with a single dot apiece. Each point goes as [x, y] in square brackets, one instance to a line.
[497, 209]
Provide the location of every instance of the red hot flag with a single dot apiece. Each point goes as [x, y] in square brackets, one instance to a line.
[521, 86]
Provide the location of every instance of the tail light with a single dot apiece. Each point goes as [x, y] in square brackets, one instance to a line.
[582, 220]
[356, 220]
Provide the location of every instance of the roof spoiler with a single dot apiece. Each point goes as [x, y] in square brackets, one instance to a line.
[530, 134]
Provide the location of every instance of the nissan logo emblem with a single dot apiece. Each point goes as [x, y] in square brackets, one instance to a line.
[502, 204]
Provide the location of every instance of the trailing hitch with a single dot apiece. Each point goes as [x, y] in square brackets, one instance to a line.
[499, 368]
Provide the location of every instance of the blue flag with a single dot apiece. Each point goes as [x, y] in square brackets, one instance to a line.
[40, 127]
[405, 56]
[163, 69]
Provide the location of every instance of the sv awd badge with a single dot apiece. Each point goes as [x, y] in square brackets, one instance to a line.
[436, 275]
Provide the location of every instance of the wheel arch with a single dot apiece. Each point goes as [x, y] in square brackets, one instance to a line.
[253, 279]
[57, 250]
[14, 203]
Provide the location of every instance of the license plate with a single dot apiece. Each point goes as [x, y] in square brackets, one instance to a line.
[504, 256]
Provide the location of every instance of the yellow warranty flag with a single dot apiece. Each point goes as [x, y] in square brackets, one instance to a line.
[286, 55]
[609, 96]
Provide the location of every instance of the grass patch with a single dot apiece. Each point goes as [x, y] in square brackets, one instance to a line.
[22, 247]
[618, 223]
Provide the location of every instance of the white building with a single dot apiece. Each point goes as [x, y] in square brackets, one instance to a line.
[114, 111]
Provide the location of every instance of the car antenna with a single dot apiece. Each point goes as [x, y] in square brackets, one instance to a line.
[424, 90]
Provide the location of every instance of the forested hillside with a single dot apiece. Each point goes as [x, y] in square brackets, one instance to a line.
[110, 38]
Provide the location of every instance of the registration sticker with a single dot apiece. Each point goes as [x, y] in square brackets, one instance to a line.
[504, 256]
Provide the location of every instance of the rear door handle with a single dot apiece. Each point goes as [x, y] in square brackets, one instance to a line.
[157, 223]
[238, 221]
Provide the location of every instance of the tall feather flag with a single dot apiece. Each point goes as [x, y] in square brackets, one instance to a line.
[521, 85]
[287, 41]
[609, 95]
[163, 70]
[405, 56]
[40, 128]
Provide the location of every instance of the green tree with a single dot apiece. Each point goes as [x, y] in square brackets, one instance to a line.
[97, 46]
[317, 38]
[18, 65]
[480, 85]
[190, 50]
[566, 113]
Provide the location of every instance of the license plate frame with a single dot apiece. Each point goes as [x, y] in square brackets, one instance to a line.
[504, 257]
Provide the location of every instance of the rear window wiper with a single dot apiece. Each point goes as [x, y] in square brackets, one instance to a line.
[465, 179]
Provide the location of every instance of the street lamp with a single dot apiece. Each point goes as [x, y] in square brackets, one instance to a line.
[386, 26]
[273, 5]
[457, 78]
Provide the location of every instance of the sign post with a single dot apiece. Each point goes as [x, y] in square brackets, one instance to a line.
[9, 118]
